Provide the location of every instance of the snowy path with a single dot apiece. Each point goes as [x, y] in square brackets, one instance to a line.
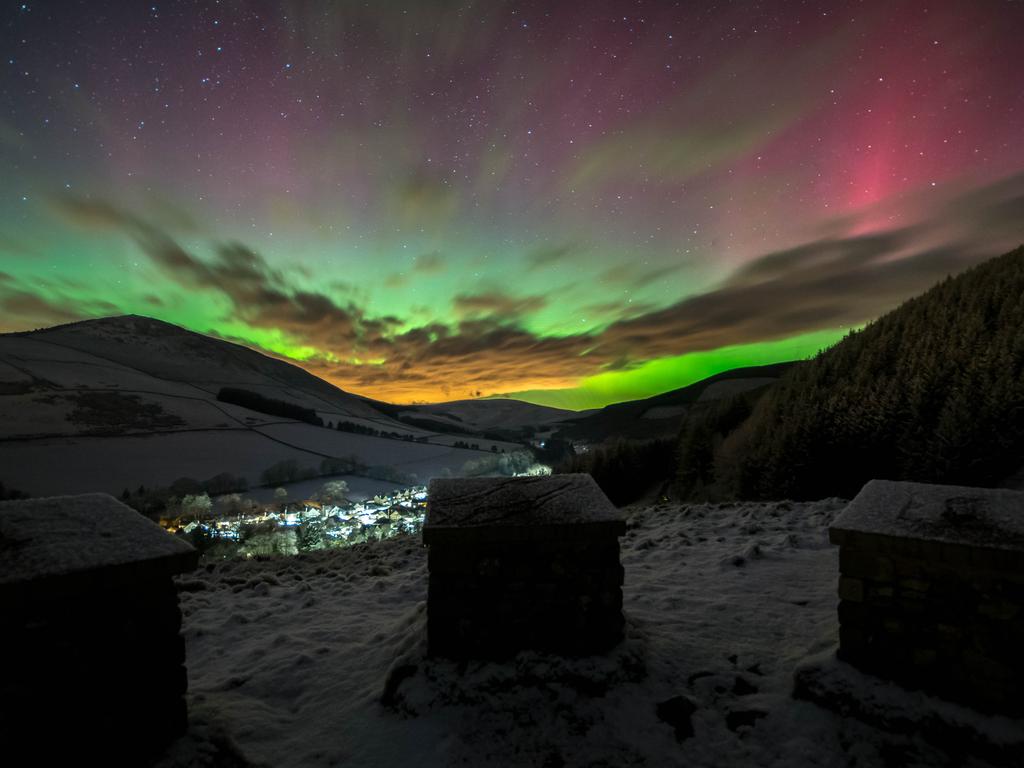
[288, 659]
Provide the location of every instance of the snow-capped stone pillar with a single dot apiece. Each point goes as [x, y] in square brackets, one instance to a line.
[522, 563]
[94, 663]
[931, 589]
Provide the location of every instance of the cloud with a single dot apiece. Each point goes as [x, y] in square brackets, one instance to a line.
[21, 310]
[552, 255]
[424, 198]
[33, 311]
[831, 282]
[618, 309]
[733, 110]
[11, 136]
[261, 296]
[480, 355]
[430, 263]
[825, 285]
[628, 275]
[20, 247]
[344, 286]
[656, 153]
[497, 305]
[425, 264]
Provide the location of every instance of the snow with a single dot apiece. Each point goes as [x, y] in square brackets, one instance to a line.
[951, 514]
[63, 535]
[436, 438]
[43, 374]
[289, 660]
[882, 701]
[517, 502]
[371, 450]
[488, 413]
[110, 464]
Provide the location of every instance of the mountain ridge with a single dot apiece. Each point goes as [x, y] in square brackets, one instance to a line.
[115, 403]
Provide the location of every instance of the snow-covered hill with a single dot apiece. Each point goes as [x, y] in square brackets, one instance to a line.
[491, 413]
[318, 660]
[119, 402]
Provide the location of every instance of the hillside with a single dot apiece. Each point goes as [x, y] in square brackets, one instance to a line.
[487, 414]
[171, 353]
[932, 391]
[120, 402]
[115, 403]
[663, 414]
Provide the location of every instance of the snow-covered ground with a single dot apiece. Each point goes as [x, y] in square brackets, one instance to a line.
[490, 413]
[117, 403]
[289, 660]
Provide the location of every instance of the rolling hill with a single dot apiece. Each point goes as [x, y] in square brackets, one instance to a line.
[664, 414]
[115, 403]
[488, 414]
[122, 402]
[932, 391]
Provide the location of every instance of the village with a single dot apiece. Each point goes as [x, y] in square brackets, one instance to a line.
[286, 528]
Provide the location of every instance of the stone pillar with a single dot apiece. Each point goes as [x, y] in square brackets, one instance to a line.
[522, 563]
[91, 645]
[931, 590]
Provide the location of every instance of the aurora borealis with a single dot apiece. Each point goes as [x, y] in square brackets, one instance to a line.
[577, 203]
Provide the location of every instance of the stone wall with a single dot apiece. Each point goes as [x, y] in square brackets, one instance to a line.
[94, 658]
[931, 590]
[522, 563]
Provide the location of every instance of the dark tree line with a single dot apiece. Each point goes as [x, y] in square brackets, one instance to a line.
[153, 502]
[254, 401]
[9, 494]
[289, 471]
[363, 429]
[701, 439]
[625, 469]
[932, 392]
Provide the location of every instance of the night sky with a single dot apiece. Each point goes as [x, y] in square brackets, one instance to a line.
[432, 200]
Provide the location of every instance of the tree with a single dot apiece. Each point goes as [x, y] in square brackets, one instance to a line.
[333, 492]
[310, 536]
[11, 493]
[196, 505]
[280, 495]
[230, 504]
[931, 392]
[282, 472]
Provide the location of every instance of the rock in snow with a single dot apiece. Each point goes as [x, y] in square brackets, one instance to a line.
[677, 712]
[319, 660]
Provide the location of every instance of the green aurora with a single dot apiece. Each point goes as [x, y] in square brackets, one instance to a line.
[571, 206]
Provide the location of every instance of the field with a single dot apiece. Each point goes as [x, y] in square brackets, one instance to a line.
[289, 659]
[123, 402]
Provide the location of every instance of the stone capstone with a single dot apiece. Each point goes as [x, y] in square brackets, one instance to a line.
[931, 589]
[91, 637]
[522, 563]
